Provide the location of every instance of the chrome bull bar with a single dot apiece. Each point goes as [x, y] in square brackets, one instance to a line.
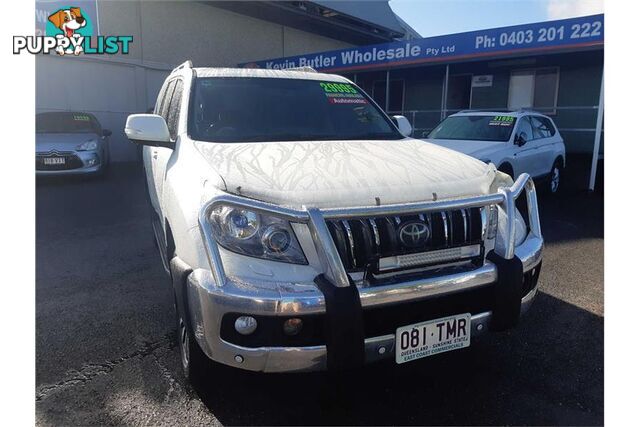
[315, 218]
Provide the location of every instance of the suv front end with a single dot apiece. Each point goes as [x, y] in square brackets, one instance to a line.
[337, 299]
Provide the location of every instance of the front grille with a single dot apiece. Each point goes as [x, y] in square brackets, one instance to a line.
[71, 162]
[362, 242]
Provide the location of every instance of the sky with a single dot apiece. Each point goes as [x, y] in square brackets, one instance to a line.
[437, 17]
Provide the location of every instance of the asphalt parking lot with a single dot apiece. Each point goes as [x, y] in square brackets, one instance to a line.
[106, 353]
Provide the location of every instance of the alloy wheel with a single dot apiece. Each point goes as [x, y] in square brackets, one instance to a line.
[184, 343]
[555, 179]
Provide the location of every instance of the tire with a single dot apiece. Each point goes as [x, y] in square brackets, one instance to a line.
[104, 168]
[101, 173]
[506, 168]
[555, 178]
[152, 213]
[194, 362]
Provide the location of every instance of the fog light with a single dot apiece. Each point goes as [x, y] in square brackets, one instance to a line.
[292, 326]
[246, 325]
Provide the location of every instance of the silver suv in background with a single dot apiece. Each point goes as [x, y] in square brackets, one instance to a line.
[70, 143]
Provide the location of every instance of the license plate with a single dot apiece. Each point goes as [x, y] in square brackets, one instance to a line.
[433, 337]
[54, 160]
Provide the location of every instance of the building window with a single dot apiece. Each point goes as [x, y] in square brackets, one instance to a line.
[396, 100]
[459, 92]
[537, 89]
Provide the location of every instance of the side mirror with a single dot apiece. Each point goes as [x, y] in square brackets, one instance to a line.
[403, 125]
[148, 129]
[520, 139]
[106, 132]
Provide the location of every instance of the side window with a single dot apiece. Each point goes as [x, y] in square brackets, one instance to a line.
[549, 125]
[524, 127]
[539, 130]
[161, 95]
[164, 107]
[542, 127]
[174, 110]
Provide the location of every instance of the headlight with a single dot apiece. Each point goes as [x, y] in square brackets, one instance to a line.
[89, 145]
[259, 235]
[521, 229]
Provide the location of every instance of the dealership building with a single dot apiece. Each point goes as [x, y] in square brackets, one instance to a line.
[555, 67]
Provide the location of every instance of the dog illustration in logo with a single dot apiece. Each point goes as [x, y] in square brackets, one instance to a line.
[68, 21]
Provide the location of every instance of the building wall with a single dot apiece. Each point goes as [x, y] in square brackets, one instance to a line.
[165, 34]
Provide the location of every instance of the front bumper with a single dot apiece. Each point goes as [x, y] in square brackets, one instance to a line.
[363, 319]
[84, 163]
[208, 303]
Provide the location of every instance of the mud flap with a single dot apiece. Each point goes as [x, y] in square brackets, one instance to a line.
[343, 325]
[507, 292]
[179, 273]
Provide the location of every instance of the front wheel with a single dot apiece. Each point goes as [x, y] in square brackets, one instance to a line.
[193, 360]
[555, 178]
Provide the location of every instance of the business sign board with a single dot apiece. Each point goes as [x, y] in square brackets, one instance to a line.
[46, 8]
[539, 37]
[485, 80]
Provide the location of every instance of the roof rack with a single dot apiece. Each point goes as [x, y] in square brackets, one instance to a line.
[305, 69]
[488, 110]
[500, 110]
[530, 110]
[185, 64]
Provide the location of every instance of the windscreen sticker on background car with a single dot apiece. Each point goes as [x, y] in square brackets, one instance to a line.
[342, 93]
[81, 118]
[502, 121]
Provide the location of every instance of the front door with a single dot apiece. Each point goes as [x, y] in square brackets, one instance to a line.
[528, 158]
[546, 139]
[169, 110]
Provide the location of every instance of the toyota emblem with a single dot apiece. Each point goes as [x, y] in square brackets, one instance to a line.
[414, 234]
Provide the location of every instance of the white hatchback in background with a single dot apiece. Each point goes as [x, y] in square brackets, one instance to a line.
[515, 141]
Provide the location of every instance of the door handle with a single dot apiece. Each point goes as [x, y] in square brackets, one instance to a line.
[155, 154]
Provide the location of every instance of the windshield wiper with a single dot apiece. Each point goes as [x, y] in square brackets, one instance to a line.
[287, 137]
[373, 135]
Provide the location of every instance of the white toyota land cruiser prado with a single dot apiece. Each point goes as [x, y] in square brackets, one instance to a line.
[304, 230]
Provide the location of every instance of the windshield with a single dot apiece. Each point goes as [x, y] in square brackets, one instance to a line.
[475, 128]
[266, 109]
[64, 122]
